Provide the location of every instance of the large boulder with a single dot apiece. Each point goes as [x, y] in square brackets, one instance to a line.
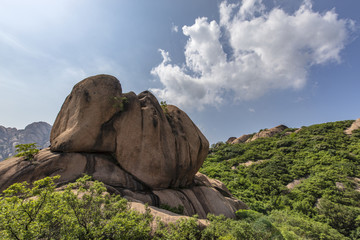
[70, 166]
[143, 151]
[81, 123]
[203, 196]
[160, 147]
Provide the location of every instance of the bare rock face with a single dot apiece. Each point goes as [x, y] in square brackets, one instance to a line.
[230, 140]
[268, 132]
[261, 134]
[354, 126]
[90, 105]
[161, 149]
[70, 166]
[203, 196]
[242, 139]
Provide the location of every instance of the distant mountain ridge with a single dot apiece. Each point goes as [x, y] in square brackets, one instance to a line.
[37, 132]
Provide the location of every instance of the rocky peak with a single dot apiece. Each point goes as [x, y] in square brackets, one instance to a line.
[37, 132]
[261, 134]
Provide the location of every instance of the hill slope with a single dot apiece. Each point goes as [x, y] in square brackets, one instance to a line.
[306, 181]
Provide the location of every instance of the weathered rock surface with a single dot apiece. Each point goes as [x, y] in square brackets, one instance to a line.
[70, 166]
[242, 139]
[268, 132]
[261, 134]
[165, 216]
[130, 143]
[230, 140]
[162, 149]
[203, 196]
[37, 132]
[354, 126]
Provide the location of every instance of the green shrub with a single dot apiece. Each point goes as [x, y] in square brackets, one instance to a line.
[183, 229]
[164, 107]
[119, 103]
[26, 150]
[82, 211]
[178, 210]
[321, 155]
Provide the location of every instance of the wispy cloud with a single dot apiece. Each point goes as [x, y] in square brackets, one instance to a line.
[174, 28]
[250, 51]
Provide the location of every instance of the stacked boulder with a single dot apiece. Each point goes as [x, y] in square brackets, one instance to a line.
[146, 152]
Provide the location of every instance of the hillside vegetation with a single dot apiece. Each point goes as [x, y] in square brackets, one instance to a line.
[305, 182]
[299, 185]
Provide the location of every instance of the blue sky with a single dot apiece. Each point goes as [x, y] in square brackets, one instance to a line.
[234, 66]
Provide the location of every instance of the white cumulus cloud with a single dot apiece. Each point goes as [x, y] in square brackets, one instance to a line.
[250, 51]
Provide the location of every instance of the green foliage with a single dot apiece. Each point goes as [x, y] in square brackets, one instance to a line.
[119, 103]
[178, 210]
[164, 107]
[83, 210]
[321, 155]
[343, 218]
[249, 225]
[27, 150]
[296, 226]
[183, 229]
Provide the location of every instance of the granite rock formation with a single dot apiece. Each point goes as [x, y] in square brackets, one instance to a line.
[37, 132]
[261, 134]
[146, 152]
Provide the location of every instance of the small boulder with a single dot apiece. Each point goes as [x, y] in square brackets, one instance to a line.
[354, 126]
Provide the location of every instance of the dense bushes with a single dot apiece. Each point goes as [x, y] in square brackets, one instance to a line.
[84, 210]
[323, 205]
[81, 211]
[325, 160]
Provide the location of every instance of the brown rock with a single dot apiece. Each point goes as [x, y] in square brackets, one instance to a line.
[70, 166]
[206, 196]
[294, 183]
[137, 149]
[230, 140]
[268, 132]
[249, 163]
[354, 126]
[242, 139]
[165, 216]
[203, 180]
[81, 123]
[161, 150]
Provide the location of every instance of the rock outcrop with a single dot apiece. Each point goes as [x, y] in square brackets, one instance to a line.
[146, 152]
[242, 139]
[230, 140]
[161, 149]
[354, 126]
[37, 132]
[261, 134]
